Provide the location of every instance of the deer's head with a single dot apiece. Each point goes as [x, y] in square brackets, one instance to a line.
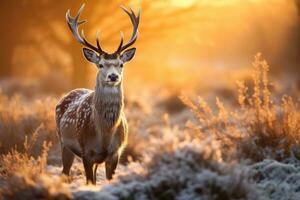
[110, 65]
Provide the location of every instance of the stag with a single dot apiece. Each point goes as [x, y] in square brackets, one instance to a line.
[91, 124]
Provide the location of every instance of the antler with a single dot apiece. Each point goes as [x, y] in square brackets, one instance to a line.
[74, 24]
[135, 22]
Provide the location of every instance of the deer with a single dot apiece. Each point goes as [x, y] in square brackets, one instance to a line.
[91, 124]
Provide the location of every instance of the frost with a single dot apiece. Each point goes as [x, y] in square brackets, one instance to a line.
[278, 180]
[192, 171]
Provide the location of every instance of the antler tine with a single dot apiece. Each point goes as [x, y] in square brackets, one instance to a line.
[74, 24]
[79, 11]
[86, 43]
[135, 22]
[98, 42]
[136, 17]
[121, 42]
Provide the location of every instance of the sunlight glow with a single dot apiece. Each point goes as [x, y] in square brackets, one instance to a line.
[188, 3]
[182, 3]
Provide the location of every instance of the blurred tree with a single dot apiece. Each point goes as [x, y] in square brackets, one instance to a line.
[21, 16]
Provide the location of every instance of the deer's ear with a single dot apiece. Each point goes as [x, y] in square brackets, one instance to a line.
[128, 55]
[90, 55]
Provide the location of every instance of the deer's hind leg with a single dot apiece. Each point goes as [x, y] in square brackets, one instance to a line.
[111, 165]
[67, 160]
[95, 173]
[88, 168]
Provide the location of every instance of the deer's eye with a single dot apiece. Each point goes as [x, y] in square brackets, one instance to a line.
[121, 65]
[100, 66]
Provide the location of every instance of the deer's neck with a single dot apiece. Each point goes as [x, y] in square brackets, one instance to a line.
[108, 105]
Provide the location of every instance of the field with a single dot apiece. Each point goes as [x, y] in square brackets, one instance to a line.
[197, 129]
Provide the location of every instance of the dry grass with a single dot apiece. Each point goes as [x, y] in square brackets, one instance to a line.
[27, 131]
[20, 117]
[25, 177]
[15, 162]
[259, 128]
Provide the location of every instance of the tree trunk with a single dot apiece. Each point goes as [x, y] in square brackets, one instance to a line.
[6, 52]
[9, 40]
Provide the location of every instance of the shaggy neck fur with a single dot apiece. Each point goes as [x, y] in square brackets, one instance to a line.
[108, 104]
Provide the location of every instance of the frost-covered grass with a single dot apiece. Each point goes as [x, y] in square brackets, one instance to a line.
[187, 169]
[277, 180]
[245, 151]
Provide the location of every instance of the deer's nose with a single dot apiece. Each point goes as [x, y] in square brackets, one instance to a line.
[113, 77]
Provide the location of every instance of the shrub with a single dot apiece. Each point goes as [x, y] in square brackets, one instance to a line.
[259, 128]
[25, 177]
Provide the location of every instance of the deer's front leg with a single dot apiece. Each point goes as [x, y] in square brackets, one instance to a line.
[88, 168]
[111, 165]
